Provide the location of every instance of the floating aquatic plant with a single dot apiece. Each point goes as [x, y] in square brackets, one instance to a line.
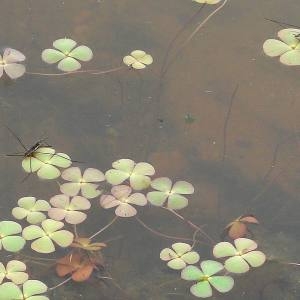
[206, 278]
[288, 47]
[31, 209]
[79, 266]
[46, 234]
[86, 244]
[10, 63]
[30, 290]
[137, 173]
[170, 193]
[86, 183]
[120, 197]
[239, 227]
[179, 256]
[64, 208]
[46, 163]
[207, 1]
[241, 256]
[67, 55]
[138, 59]
[14, 271]
[8, 240]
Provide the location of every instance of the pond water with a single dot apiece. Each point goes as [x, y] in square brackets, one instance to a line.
[240, 152]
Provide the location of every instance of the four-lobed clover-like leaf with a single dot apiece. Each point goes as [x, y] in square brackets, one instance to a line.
[207, 1]
[64, 208]
[31, 209]
[30, 290]
[79, 266]
[120, 197]
[288, 47]
[86, 183]
[67, 54]
[179, 256]
[137, 173]
[206, 278]
[8, 238]
[14, 272]
[241, 256]
[173, 194]
[10, 63]
[46, 162]
[138, 59]
[46, 234]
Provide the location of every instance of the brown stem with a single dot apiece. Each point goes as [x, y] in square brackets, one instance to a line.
[104, 228]
[199, 229]
[60, 284]
[165, 235]
[193, 34]
[93, 72]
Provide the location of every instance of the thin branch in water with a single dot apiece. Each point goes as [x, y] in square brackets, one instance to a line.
[179, 32]
[226, 122]
[104, 228]
[171, 237]
[191, 224]
[190, 37]
[93, 72]
[60, 284]
[282, 24]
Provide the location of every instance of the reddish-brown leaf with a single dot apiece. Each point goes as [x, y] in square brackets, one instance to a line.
[248, 219]
[84, 272]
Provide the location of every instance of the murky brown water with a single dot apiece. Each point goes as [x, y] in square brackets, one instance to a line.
[99, 119]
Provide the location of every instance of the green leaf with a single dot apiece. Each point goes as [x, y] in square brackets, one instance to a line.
[157, 198]
[274, 47]
[33, 287]
[201, 289]
[222, 284]
[13, 243]
[162, 184]
[177, 201]
[52, 56]
[65, 45]
[255, 258]
[236, 264]
[182, 187]
[191, 273]
[9, 227]
[211, 267]
[69, 64]
[224, 249]
[83, 53]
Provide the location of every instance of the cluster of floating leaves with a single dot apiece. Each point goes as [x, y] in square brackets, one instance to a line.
[241, 256]
[68, 55]
[128, 178]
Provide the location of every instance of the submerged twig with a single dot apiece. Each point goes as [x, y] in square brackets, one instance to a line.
[104, 228]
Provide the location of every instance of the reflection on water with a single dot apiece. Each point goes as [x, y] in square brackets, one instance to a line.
[99, 119]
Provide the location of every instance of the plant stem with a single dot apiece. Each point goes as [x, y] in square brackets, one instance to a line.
[104, 228]
[193, 34]
[60, 284]
[93, 72]
[171, 237]
[190, 224]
